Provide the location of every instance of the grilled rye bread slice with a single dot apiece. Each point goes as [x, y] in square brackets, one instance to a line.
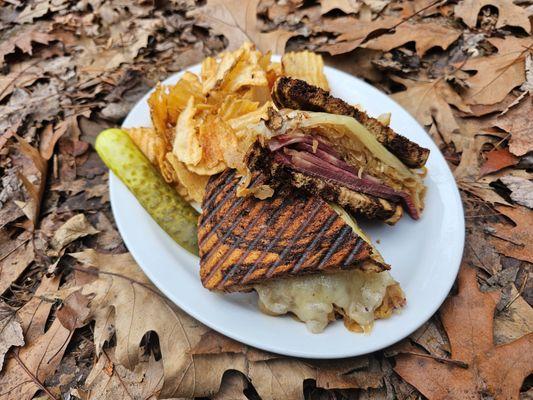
[260, 159]
[300, 95]
[244, 240]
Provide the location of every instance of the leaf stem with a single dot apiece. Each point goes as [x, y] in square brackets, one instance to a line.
[456, 363]
[33, 377]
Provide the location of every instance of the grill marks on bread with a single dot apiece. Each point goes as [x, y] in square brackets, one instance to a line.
[246, 240]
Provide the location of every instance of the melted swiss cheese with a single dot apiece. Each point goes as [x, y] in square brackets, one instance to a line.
[311, 298]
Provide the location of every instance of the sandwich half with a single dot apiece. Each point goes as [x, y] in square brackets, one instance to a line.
[330, 149]
[339, 159]
[301, 255]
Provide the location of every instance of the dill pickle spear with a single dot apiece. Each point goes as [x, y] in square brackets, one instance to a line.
[163, 203]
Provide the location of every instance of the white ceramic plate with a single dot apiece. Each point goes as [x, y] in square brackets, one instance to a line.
[424, 254]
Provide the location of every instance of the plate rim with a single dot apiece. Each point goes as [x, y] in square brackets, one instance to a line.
[459, 242]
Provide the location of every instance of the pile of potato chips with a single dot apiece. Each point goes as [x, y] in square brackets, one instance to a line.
[205, 124]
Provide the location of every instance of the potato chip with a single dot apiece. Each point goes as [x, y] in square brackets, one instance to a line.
[150, 144]
[159, 109]
[261, 94]
[192, 185]
[186, 145]
[273, 72]
[307, 66]
[234, 107]
[209, 68]
[227, 63]
[167, 172]
[244, 74]
[154, 148]
[167, 102]
[217, 140]
[179, 95]
[242, 124]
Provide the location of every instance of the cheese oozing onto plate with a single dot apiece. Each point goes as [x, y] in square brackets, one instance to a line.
[312, 298]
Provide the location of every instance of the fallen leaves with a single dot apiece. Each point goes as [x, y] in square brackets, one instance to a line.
[352, 32]
[497, 74]
[521, 190]
[509, 14]
[516, 123]
[514, 241]
[492, 370]
[35, 191]
[238, 22]
[496, 160]
[425, 36]
[429, 102]
[25, 372]
[110, 380]
[10, 330]
[127, 38]
[76, 227]
[14, 262]
[22, 39]
[124, 301]
[346, 6]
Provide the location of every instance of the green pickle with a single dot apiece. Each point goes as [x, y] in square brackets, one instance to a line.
[172, 213]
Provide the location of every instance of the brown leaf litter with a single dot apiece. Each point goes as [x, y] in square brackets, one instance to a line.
[490, 370]
[69, 70]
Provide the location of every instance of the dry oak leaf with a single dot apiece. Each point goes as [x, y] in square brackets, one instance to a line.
[22, 37]
[425, 36]
[517, 122]
[31, 365]
[14, 263]
[110, 380]
[10, 330]
[514, 321]
[74, 311]
[238, 22]
[39, 8]
[521, 189]
[430, 102]
[509, 14]
[467, 172]
[21, 74]
[124, 298]
[74, 228]
[430, 337]
[514, 241]
[127, 39]
[496, 160]
[499, 73]
[35, 191]
[495, 371]
[273, 377]
[51, 134]
[352, 32]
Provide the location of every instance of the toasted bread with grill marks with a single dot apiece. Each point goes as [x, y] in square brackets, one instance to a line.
[299, 95]
[244, 240]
